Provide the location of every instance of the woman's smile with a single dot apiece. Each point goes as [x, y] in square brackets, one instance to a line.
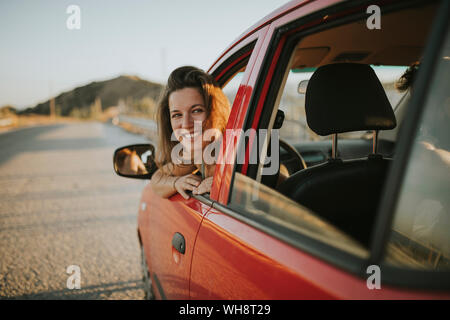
[190, 136]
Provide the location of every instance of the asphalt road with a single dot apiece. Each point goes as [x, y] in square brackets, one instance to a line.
[61, 204]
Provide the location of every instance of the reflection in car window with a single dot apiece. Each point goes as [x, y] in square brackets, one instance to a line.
[267, 205]
[292, 102]
[420, 237]
[231, 87]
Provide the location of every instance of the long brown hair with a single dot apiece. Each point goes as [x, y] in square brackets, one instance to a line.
[216, 104]
[407, 79]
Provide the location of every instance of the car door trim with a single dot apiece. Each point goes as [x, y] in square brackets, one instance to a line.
[203, 198]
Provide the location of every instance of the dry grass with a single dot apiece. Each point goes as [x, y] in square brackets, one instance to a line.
[23, 121]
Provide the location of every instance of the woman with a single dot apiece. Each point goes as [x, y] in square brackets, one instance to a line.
[191, 104]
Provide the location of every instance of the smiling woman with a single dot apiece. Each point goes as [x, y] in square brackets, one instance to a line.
[192, 103]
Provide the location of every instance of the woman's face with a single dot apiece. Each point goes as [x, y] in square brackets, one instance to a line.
[187, 111]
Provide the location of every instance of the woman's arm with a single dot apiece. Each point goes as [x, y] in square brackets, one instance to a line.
[171, 179]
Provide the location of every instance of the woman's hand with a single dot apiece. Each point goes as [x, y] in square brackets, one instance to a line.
[204, 186]
[187, 182]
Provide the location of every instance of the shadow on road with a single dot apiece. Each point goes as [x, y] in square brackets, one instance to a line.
[69, 225]
[102, 291]
[21, 140]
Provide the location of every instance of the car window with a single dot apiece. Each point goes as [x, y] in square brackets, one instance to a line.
[420, 237]
[254, 193]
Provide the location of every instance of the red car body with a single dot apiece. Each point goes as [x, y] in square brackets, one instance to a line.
[227, 256]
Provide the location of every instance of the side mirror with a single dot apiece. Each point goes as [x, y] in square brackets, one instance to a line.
[301, 89]
[135, 161]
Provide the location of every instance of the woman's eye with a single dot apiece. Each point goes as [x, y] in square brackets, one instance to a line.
[176, 115]
[197, 111]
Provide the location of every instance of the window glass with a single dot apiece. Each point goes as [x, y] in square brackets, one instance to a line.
[260, 202]
[420, 236]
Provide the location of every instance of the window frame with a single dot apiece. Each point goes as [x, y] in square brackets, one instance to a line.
[224, 172]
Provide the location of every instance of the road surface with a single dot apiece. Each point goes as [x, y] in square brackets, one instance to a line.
[61, 204]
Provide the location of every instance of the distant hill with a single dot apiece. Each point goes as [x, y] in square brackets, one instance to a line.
[109, 92]
[7, 111]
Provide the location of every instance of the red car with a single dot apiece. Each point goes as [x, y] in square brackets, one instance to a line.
[365, 210]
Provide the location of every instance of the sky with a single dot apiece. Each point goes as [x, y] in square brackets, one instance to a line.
[41, 57]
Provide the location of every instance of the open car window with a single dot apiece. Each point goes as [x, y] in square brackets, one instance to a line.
[231, 76]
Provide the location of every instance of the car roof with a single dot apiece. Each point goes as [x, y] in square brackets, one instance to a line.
[283, 10]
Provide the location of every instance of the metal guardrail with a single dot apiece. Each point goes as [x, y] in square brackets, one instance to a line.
[142, 123]
[142, 126]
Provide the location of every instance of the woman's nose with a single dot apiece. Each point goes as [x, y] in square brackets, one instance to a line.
[187, 122]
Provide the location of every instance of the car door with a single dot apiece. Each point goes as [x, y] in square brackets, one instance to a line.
[255, 243]
[168, 228]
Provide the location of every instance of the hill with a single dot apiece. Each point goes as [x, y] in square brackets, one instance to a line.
[109, 93]
[7, 111]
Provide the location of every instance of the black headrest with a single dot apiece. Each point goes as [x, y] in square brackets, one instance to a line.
[347, 97]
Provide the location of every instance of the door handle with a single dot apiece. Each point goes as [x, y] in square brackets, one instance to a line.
[179, 243]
